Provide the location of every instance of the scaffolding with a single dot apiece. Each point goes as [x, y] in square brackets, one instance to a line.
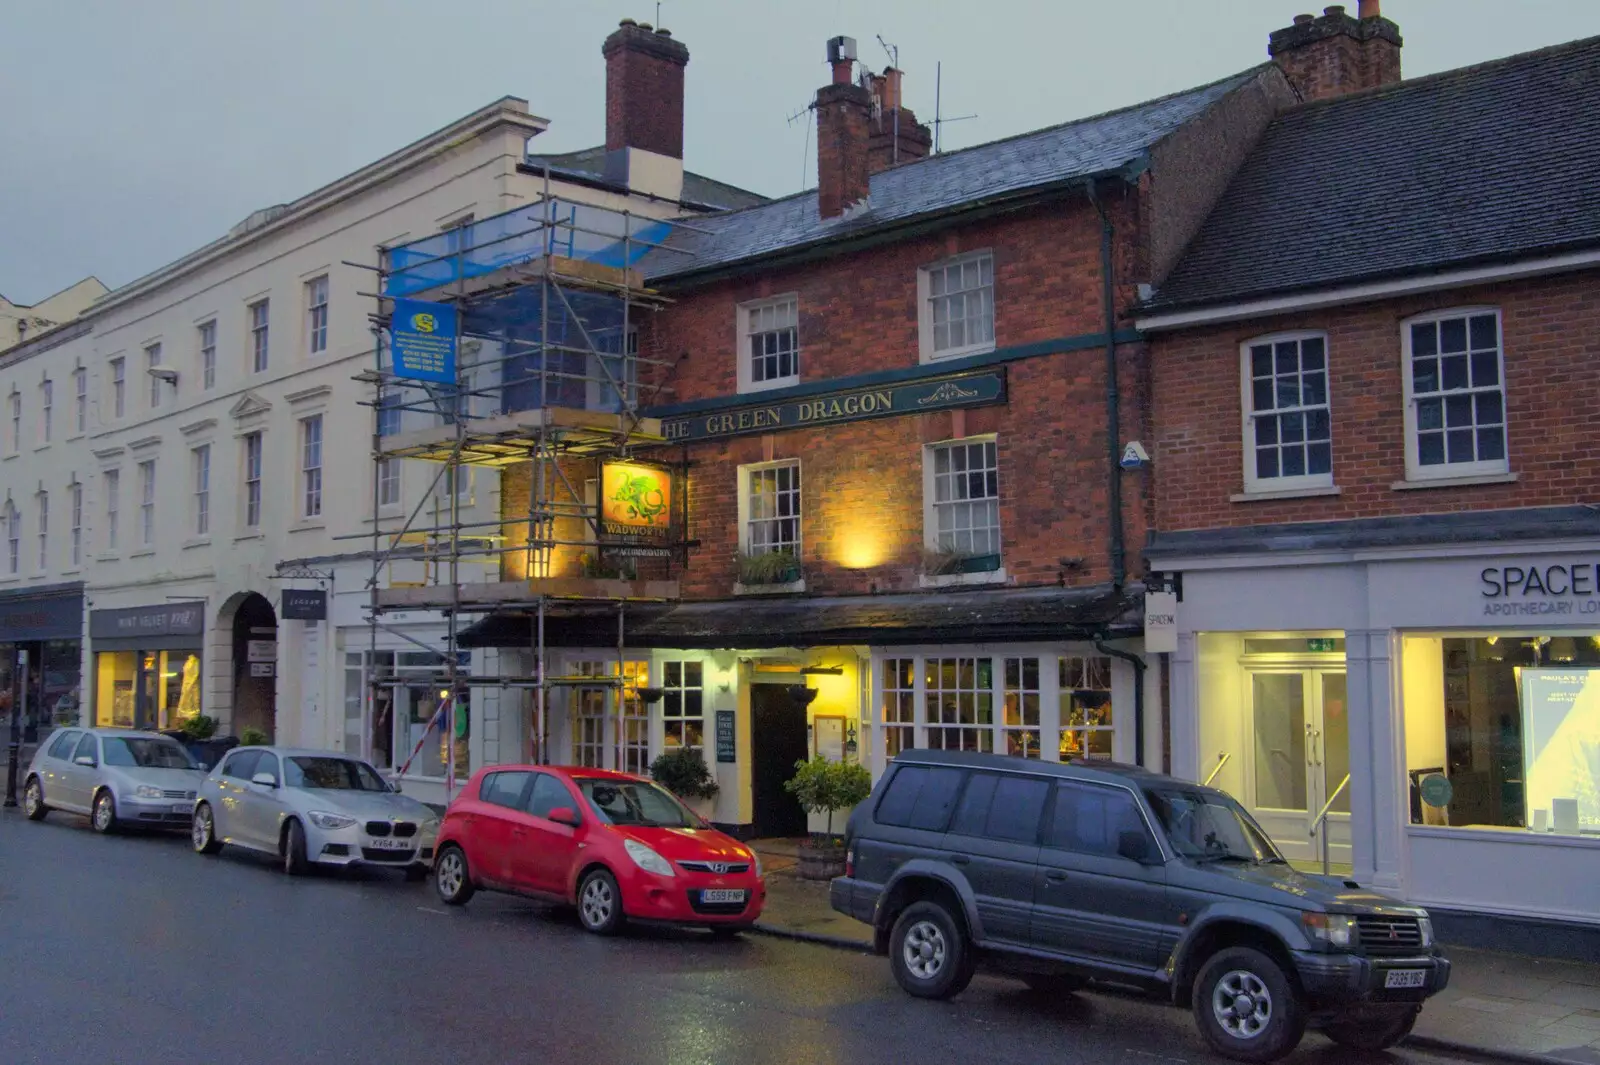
[548, 377]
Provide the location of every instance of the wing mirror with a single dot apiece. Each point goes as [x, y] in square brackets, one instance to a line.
[265, 779]
[1134, 846]
[565, 815]
[84, 760]
[203, 766]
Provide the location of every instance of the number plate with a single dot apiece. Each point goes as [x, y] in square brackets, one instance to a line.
[390, 844]
[183, 807]
[1406, 978]
[711, 895]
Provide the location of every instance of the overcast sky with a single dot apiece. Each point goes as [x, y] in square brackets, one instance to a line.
[132, 133]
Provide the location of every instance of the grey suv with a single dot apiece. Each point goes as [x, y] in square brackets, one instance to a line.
[1066, 873]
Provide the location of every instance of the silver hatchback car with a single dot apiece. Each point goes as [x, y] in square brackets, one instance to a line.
[312, 807]
[118, 777]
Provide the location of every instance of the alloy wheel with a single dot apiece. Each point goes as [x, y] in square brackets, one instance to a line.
[450, 874]
[103, 813]
[32, 799]
[924, 950]
[200, 830]
[597, 902]
[1242, 1004]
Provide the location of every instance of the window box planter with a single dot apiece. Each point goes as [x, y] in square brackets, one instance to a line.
[944, 564]
[778, 567]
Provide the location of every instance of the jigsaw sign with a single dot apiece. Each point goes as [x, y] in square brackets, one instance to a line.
[423, 339]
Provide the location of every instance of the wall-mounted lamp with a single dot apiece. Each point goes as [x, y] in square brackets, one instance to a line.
[164, 373]
[831, 671]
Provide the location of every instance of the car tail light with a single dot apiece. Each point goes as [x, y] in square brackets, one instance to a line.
[850, 860]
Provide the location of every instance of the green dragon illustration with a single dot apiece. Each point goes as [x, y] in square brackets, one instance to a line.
[643, 501]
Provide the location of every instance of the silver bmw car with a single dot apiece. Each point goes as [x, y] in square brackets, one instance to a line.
[119, 777]
[311, 807]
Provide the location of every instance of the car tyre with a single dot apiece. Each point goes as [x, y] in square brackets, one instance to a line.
[103, 814]
[1246, 1007]
[33, 800]
[451, 878]
[1054, 985]
[294, 849]
[929, 952]
[600, 903]
[1372, 1032]
[203, 830]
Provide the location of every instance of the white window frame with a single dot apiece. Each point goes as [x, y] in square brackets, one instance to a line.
[113, 487]
[745, 474]
[1300, 482]
[1415, 471]
[47, 410]
[147, 503]
[388, 483]
[746, 315]
[13, 539]
[119, 387]
[152, 359]
[260, 321]
[317, 315]
[207, 331]
[311, 437]
[75, 547]
[80, 386]
[254, 448]
[927, 352]
[681, 690]
[201, 461]
[930, 502]
[16, 422]
[44, 530]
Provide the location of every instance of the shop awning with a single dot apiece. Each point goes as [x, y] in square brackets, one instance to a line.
[954, 617]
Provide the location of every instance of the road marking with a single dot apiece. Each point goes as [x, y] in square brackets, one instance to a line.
[430, 909]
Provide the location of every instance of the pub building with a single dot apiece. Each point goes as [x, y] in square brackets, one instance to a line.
[147, 665]
[41, 642]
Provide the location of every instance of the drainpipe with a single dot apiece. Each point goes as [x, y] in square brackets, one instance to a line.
[1139, 667]
[1119, 565]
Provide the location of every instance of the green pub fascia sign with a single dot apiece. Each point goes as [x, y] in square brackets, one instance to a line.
[857, 404]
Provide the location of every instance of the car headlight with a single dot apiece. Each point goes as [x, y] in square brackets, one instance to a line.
[145, 791]
[1335, 929]
[1425, 924]
[647, 859]
[326, 820]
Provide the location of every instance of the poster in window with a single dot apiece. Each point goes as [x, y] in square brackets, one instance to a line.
[829, 732]
[1561, 743]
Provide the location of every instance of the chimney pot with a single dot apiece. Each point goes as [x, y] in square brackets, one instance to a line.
[1333, 10]
[663, 32]
[627, 22]
[1304, 20]
[1369, 9]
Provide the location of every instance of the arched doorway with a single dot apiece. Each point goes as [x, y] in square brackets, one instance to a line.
[254, 629]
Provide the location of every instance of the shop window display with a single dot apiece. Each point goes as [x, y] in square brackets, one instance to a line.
[1503, 732]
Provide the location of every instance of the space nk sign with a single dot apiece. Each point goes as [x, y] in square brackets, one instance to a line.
[1160, 621]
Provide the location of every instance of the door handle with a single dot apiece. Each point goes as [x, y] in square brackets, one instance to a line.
[1055, 876]
[960, 859]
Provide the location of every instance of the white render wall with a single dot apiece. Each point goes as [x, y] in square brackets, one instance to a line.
[469, 168]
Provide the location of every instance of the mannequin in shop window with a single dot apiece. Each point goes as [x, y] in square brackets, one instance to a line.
[189, 694]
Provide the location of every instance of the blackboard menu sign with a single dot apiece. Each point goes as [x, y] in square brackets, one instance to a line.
[725, 741]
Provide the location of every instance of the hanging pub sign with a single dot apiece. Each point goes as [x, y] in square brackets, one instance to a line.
[635, 508]
[423, 339]
[305, 604]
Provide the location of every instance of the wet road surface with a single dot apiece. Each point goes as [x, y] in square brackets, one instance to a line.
[134, 950]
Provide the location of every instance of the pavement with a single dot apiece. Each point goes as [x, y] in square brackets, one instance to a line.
[1507, 1006]
[132, 950]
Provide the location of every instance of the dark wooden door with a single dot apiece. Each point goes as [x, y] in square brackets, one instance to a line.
[777, 742]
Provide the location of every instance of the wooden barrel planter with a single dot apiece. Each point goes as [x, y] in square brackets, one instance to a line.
[821, 861]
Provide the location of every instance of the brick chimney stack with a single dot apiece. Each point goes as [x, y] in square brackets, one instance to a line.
[1335, 54]
[644, 89]
[897, 137]
[844, 124]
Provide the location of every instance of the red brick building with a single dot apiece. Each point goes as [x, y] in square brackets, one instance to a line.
[1376, 475]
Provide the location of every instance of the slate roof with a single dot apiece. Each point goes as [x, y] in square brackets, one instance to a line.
[1467, 527]
[824, 621]
[1088, 147]
[591, 163]
[1485, 163]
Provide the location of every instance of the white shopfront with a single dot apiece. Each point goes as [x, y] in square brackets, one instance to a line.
[1431, 716]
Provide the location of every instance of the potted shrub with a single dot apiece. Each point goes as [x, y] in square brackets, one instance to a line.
[823, 787]
[252, 737]
[195, 733]
[608, 568]
[771, 567]
[683, 771]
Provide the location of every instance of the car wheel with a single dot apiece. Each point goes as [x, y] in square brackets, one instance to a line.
[103, 815]
[600, 903]
[1246, 1007]
[33, 800]
[450, 877]
[929, 952]
[1373, 1031]
[294, 849]
[203, 831]
[1054, 984]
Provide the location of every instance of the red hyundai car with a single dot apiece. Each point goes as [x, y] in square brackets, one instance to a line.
[614, 845]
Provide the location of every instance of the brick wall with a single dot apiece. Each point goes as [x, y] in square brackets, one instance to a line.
[1551, 342]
